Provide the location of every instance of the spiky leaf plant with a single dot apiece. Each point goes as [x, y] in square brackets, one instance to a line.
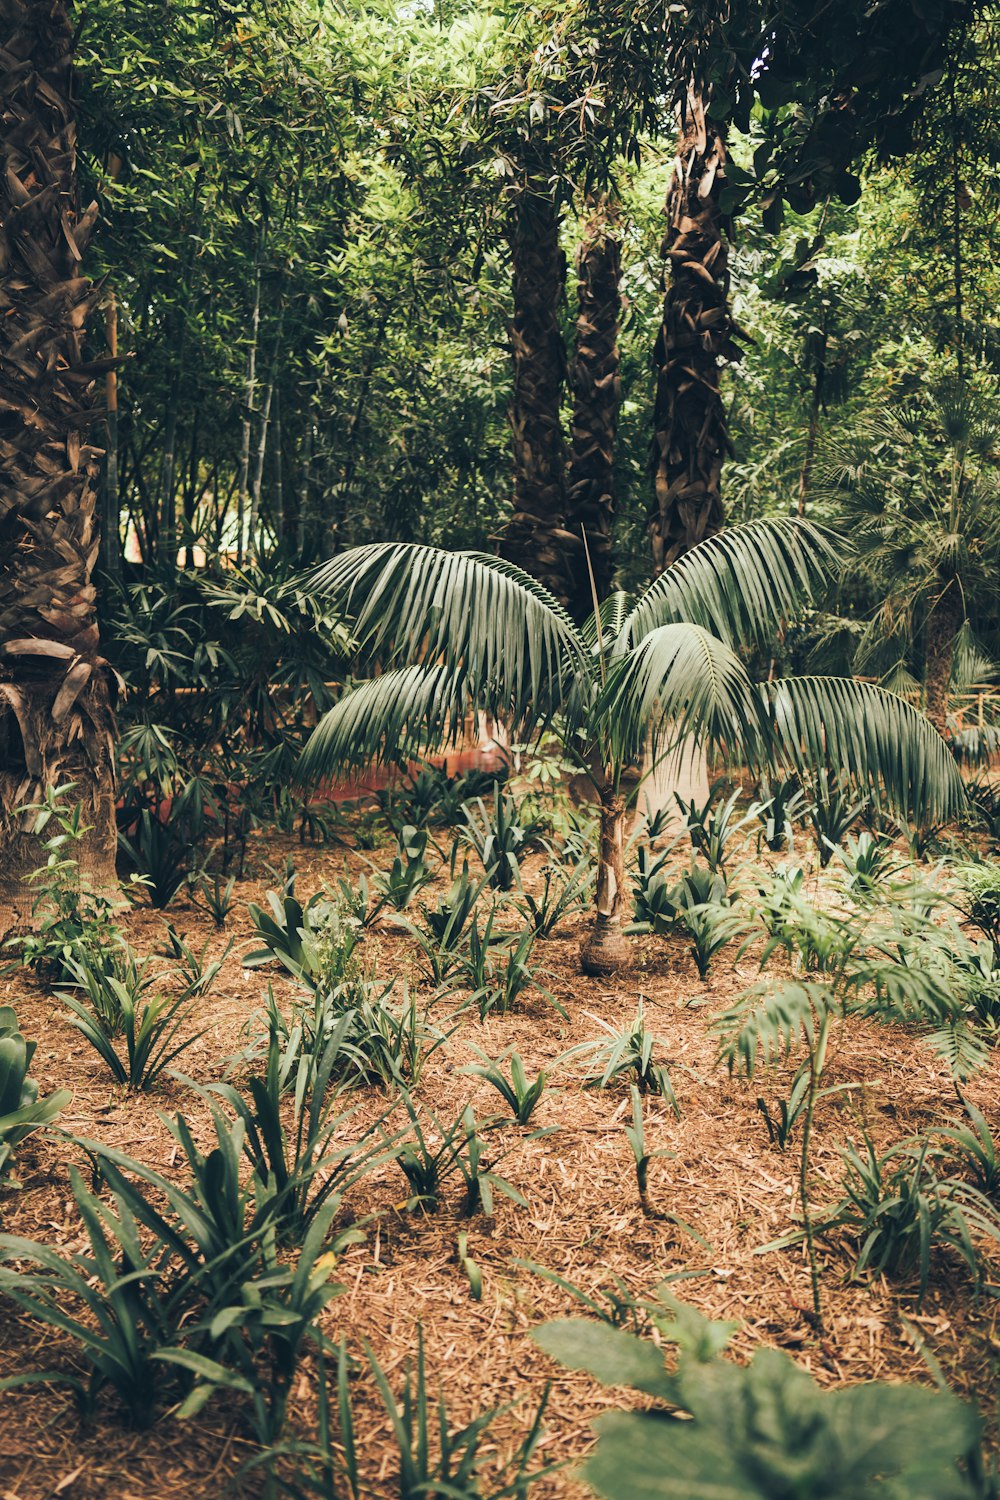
[457, 630]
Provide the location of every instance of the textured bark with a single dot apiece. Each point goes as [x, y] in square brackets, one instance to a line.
[597, 395]
[691, 437]
[535, 535]
[55, 719]
[943, 625]
[603, 952]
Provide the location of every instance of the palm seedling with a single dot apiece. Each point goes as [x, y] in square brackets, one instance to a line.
[465, 630]
[520, 1093]
[21, 1110]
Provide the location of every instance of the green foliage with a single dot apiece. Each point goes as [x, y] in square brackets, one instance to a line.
[832, 812]
[563, 893]
[21, 1110]
[70, 920]
[520, 1094]
[899, 1211]
[430, 1158]
[409, 872]
[782, 804]
[763, 1431]
[713, 828]
[117, 1009]
[159, 857]
[501, 834]
[447, 926]
[629, 1051]
[978, 898]
[315, 942]
[711, 927]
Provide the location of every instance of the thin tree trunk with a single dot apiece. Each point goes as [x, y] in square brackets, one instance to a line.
[265, 422]
[603, 952]
[111, 549]
[597, 397]
[943, 625]
[56, 723]
[535, 536]
[697, 335]
[248, 413]
[279, 477]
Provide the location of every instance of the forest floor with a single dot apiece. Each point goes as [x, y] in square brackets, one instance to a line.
[583, 1220]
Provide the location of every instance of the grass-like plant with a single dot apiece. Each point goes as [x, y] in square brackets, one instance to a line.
[466, 630]
[136, 1037]
[431, 1157]
[409, 872]
[563, 893]
[520, 1093]
[626, 1053]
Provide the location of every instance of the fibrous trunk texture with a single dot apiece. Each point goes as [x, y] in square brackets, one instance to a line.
[943, 625]
[691, 438]
[597, 396]
[603, 952]
[55, 719]
[535, 535]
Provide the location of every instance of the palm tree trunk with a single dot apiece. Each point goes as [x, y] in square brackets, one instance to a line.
[56, 723]
[943, 625]
[597, 397]
[535, 537]
[603, 952]
[691, 438]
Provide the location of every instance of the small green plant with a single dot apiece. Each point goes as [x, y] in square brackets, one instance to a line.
[629, 1051]
[216, 894]
[714, 827]
[21, 1110]
[70, 920]
[520, 1094]
[869, 861]
[158, 856]
[390, 1044]
[198, 975]
[447, 923]
[760, 1431]
[978, 899]
[563, 892]
[781, 805]
[711, 927]
[115, 1301]
[832, 813]
[899, 1210]
[500, 835]
[655, 897]
[316, 942]
[299, 1161]
[409, 872]
[636, 1135]
[501, 985]
[974, 1149]
[148, 1028]
[430, 1158]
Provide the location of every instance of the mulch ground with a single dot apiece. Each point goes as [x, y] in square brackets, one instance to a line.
[583, 1219]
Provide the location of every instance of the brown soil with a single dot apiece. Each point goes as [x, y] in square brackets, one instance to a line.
[583, 1218]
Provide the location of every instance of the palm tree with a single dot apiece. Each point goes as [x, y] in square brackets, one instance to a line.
[918, 491]
[55, 719]
[461, 630]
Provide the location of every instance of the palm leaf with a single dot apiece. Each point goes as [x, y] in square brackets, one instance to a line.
[741, 584]
[388, 718]
[492, 622]
[877, 740]
[685, 677]
[611, 614]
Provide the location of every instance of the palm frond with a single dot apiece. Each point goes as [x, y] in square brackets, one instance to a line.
[683, 676]
[393, 717]
[741, 584]
[611, 613]
[492, 622]
[875, 739]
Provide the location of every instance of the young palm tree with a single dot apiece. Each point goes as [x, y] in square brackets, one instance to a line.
[918, 491]
[459, 629]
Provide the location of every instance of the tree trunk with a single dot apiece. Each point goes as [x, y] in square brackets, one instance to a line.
[250, 389]
[691, 438]
[111, 546]
[603, 952]
[535, 536]
[56, 723]
[597, 397]
[943, 625]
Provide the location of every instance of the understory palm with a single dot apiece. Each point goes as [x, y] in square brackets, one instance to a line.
[462, 630]
[918, 494]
